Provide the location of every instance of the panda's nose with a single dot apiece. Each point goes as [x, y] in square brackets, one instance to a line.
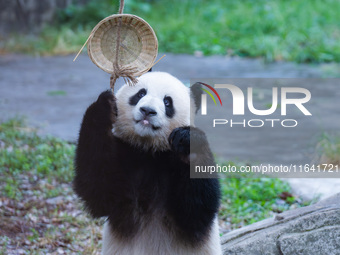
[147, 111]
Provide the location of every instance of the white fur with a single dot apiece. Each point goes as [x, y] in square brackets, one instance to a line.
[158, 85]
[154, 239]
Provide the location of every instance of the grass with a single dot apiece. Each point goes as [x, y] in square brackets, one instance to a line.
[22, 150]
[40, 214]
[329, 149]
[295, 30]
[248, 200]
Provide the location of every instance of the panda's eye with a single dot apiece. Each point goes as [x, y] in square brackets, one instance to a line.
[142, 93]
[167, 101]
[133, 100]
[169, 107]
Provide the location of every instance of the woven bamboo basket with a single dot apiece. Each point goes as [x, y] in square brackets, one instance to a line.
[138, 44]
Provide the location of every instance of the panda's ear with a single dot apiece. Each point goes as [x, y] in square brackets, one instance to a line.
[150, 70]
[196, 93]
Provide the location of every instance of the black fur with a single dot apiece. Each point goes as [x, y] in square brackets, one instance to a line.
[169, 109]
[135, 98]
[196, 93]
[128, 185]
[179, 140]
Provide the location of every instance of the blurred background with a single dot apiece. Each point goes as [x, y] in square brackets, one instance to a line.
[300, 31]
[43, 95]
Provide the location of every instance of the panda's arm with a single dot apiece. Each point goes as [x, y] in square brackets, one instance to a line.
[94, 160]
[192, 203]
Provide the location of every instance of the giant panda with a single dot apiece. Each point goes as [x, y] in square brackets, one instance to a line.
[132, 166]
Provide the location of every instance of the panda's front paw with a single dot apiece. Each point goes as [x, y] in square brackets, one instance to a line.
[179, 140]
[103, 112]
[106, 98]
[107, 106]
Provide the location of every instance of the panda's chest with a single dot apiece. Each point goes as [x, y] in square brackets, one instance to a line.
[148, 184]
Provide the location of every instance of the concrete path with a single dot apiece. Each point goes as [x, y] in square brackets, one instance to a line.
[54, 92]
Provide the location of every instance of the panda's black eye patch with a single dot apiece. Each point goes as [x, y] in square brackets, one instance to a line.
[169, 107]
[167, 102]
[142, 93]
[136, 97]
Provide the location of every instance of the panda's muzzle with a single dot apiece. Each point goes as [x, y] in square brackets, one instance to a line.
[146, 122]
[147, 111]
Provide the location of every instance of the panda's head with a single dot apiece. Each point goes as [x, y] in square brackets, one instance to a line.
[150, 110]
